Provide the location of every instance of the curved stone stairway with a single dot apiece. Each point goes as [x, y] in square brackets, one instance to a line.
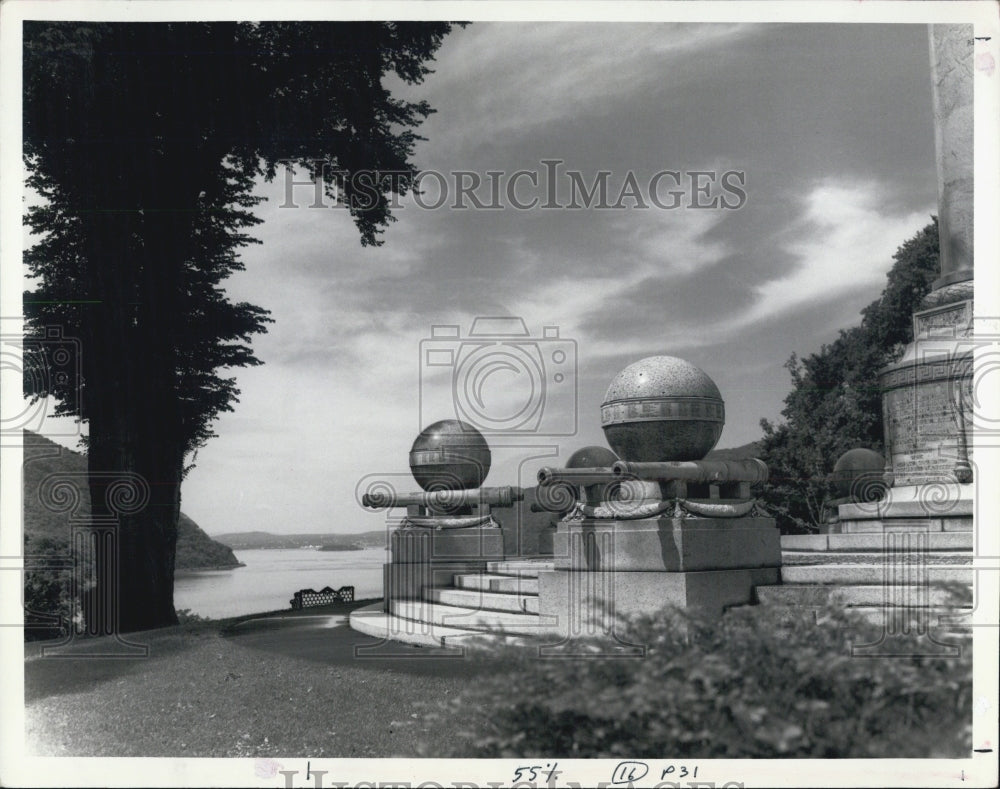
[476, 609]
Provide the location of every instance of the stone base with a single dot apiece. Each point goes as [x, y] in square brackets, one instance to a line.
[585, 603]
[432, 557]
[546, 541]
[610, 569]
[407, 581]
[931, 507]
[667, 544]
[416, 545]
[927, 399]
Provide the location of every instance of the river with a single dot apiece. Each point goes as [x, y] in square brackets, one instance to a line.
[272, 576]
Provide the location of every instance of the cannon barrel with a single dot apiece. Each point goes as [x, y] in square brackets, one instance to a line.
[496, 497]
[712, 471]
[596, 475]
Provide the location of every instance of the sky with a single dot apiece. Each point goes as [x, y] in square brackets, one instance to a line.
[830, 126]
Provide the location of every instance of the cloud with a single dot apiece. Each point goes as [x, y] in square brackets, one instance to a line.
[654, 250]
[595, 66]
[843, 242]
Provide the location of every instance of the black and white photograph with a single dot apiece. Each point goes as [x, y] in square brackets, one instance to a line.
[499, 394]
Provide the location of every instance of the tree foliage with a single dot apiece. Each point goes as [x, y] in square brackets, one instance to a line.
[835, 403]
[145, 141]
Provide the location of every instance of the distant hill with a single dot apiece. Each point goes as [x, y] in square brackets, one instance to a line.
[532, 523]
[42, 457]
[751, 450]
[327, 541]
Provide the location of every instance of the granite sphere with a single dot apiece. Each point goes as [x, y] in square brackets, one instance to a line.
[592, 457]
[662, 408]
[858, 473]
[450, 455]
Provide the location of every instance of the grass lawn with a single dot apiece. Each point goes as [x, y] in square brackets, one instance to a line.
[225, 688]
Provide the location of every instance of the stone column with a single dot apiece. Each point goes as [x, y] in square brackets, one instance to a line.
[951, 52]
[927, 394]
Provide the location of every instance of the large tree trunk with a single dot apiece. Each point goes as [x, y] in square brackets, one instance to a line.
[137, 441]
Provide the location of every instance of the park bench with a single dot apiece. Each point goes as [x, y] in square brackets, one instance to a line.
[306, 598]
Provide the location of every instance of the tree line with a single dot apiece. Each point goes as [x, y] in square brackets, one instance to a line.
[835, 403]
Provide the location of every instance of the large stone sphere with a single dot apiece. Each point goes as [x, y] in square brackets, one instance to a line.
[662, 408]
[450, 455]
[858, 473]
[592, 457]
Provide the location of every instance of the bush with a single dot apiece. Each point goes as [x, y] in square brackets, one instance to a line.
[756, 683]
[50, 608]
[185, 616]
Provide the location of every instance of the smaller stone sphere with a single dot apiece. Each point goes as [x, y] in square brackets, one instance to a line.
[450, 455]
[662, 409]
[858, 473]
[592, 457]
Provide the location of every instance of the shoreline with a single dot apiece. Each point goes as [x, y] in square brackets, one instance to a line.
[208, 568]
[224, 625]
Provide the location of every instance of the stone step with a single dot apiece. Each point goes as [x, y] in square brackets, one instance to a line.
[870, 574]
[496, 583]
[937, 558]
[958, 620]
[935, 541]
[860, 595]
[479, 599]
[373, 621]
[463, 618]
[522, 568]
[914, 623]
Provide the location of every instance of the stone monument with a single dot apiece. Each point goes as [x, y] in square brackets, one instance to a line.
[927, 394]
[450, 525]
[661, 525]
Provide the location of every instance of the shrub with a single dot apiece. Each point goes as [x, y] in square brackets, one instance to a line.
[756, 683]
[50, 606]
[185, 616]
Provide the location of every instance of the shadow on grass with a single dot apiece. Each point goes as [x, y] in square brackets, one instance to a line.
[53, 674]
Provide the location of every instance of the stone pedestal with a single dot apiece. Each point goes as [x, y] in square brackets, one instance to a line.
[431, 557]
[938, 506]
[927, 400]
[609, 569]
[546, 540]
[417, 545]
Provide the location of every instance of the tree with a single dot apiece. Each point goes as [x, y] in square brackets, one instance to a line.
[836, 403]
[145, 141]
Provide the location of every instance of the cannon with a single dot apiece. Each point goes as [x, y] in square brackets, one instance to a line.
[445, 499]
[711, 471]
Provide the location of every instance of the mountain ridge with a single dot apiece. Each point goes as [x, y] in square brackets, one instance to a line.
[43, 458]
